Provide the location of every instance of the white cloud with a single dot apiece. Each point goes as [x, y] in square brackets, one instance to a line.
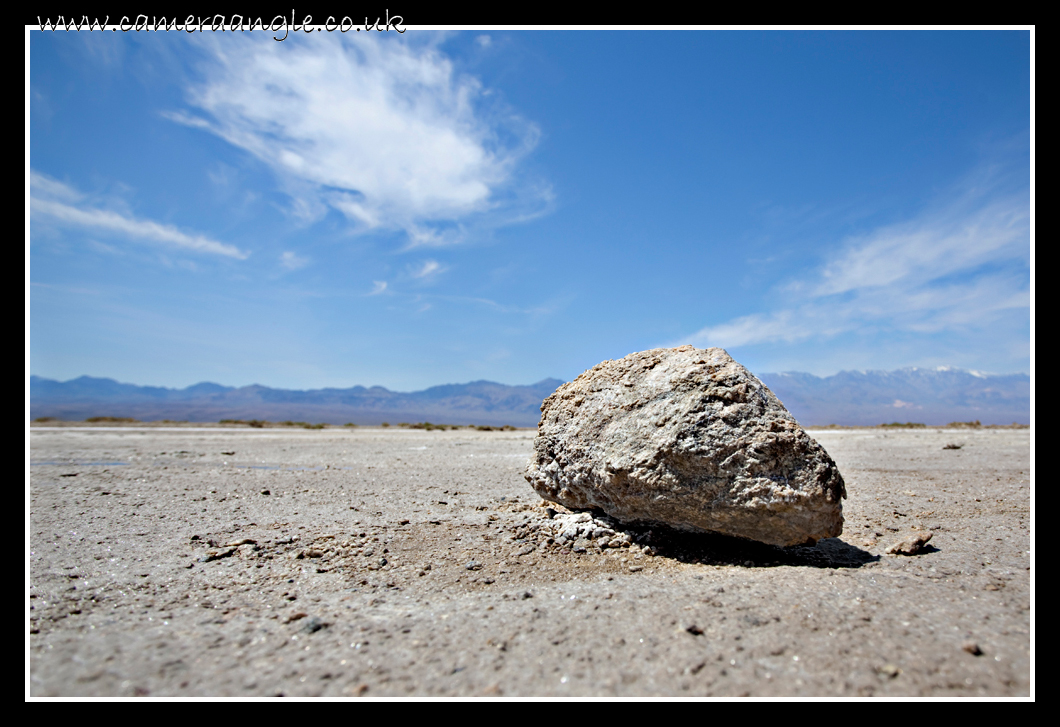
[961, 267]
[291, 261]
[484, 40]
[63, 205]
[944, 244]
[44, 186]
[382, 130]
[378, 286]
[427, 269]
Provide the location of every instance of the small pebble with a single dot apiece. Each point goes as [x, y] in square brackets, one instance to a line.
[244, 541]
[890, 670]
[910, 545]
[313, 625]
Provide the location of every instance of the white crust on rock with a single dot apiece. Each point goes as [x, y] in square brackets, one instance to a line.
[690, 438]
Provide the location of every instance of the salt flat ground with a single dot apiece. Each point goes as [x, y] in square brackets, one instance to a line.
[413, 563]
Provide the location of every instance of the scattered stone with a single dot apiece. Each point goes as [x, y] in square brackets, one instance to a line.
[525, 550]
[972, 648]
[213, 555]
[952, 446]
[473, 565]
[889, 670]
[635, 568]
[295, 617]
[687, 437]
[580, 531]
[244, 541]
[910, 545]
[313, 625]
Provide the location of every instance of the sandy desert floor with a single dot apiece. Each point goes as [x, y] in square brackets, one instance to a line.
[377, 563]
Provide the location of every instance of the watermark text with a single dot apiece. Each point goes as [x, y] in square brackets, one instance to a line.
[225, 23]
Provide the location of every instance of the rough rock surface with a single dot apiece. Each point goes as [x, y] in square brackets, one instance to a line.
[690, 438]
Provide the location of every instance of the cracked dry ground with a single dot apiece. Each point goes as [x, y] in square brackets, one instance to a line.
[394, 563]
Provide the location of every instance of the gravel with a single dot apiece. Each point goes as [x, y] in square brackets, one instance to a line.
[124, 599]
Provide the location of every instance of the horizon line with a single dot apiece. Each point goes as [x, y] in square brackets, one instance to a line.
[941, 368]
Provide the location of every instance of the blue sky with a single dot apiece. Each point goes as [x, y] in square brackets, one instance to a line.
[428, 208]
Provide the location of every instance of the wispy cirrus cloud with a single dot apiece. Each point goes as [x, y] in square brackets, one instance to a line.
[383, 131]
[63, 205]
[958, 267]
[292, 261]
[427, 269]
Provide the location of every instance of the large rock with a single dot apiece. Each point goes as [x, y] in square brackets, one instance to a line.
[690, 438]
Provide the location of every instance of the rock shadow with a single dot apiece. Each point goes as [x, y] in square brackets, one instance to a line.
[715, 549]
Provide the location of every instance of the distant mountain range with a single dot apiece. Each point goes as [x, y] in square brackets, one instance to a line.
[479, 402]
[931, 396]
